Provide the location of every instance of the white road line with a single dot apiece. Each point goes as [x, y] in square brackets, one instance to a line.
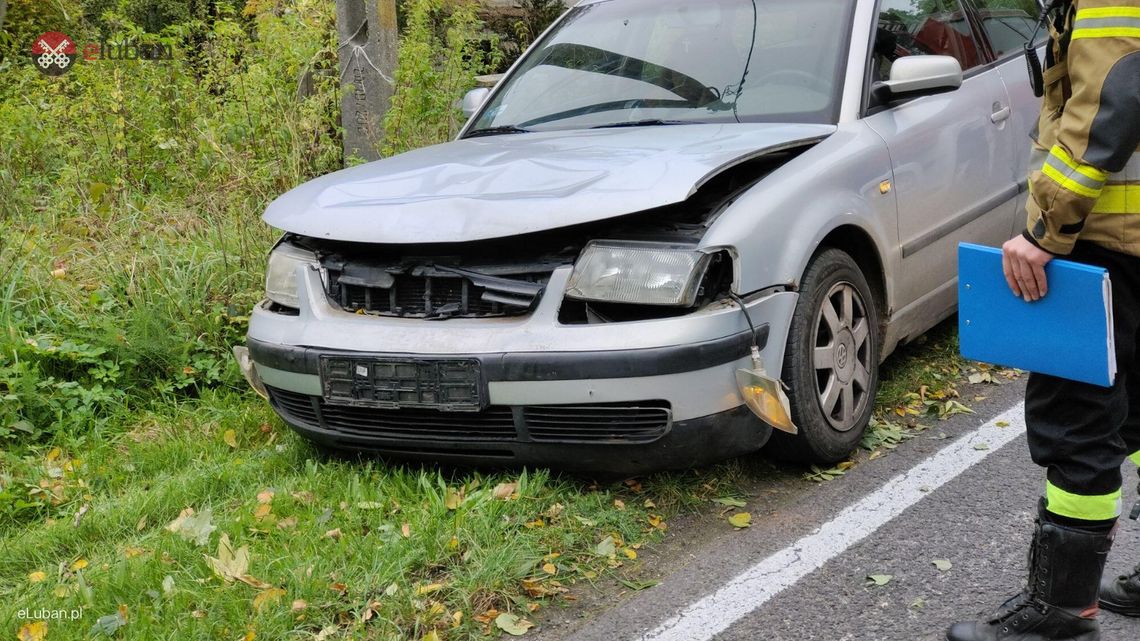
[752, 588]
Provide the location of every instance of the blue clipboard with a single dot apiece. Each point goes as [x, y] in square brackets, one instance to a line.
[1067, 334]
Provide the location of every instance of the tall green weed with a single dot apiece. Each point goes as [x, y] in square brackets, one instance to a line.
[441, 53]
[130, 192]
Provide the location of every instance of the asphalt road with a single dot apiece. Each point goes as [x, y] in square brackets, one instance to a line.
[980, 521]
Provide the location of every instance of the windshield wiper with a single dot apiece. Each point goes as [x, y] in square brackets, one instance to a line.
[495, 131]
[650, 122]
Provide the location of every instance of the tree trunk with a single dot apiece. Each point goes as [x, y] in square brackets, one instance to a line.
[3, 10]
[368, 38]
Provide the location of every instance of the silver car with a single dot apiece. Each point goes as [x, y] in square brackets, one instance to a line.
[672, 227]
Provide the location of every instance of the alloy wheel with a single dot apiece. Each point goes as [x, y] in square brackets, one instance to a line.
[842, 356]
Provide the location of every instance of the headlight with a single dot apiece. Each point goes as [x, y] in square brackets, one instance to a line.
[642, 273]
[281, 277]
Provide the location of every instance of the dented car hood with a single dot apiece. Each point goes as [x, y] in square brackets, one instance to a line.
[504, 185]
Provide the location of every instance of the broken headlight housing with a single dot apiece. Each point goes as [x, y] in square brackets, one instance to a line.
[640, 273]
[281, 284]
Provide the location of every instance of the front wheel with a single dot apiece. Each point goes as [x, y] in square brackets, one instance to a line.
[831, 361]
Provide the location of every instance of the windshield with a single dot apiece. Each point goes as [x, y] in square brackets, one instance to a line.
[631, 62]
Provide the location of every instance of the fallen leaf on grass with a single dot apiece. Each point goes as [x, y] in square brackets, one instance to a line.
[505, 491]
[265, 496]
[942, 564]
[607, 547]
[79, 564]
[630, 554]
[287, 524]
[406, 530]
[108, 625]
[550, 568]
[34, 631]
[233, 565]
[431, 636]
[619, 504]
[267, 597]
[37, 576]
[879, 579]
[298, 605]
[333, 534]
[512, 625]
[429, 588]
[193, 527]
[740, 520]
[262, 511]
[452, 500]
[230, 438]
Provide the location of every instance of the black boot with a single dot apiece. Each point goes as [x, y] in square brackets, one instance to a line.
[1059, 601]
[1122, 594]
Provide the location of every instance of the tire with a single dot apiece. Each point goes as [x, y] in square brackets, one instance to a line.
[831, 363]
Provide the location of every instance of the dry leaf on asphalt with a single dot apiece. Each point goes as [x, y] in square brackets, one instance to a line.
[740, 520]
[879, 579]
[942, 564]
[512, 625]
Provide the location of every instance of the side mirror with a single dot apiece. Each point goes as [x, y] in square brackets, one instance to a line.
[916, 76]
[473, 100]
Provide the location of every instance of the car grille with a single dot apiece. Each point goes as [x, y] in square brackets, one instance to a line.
[442, 294]
[638, 423]
[635, 422]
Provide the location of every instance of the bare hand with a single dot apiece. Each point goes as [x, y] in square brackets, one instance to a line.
[1023, 264]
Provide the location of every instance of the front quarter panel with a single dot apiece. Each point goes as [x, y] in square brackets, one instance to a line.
[777, 225]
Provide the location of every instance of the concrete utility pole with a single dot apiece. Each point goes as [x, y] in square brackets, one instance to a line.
[368, 38]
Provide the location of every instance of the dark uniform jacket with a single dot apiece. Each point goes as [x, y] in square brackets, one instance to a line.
[1085, 179]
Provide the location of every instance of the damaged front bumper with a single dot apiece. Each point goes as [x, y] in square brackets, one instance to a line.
[617, 397]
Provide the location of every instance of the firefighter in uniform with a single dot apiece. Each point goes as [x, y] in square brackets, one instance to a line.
[1084, 205]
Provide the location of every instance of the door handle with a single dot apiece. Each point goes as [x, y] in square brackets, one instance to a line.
[1000, 115]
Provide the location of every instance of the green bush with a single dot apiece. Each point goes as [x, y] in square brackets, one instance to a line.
[439, 58]
[130, 194]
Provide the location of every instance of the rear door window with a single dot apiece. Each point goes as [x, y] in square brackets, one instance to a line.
[1008, 24]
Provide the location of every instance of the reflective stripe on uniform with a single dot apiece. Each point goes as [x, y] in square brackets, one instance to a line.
[1107, 22]
[1086, 508]
[1118, 199]
[1084, 180]
[1135, 458]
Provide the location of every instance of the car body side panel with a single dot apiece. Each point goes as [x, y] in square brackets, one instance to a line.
[777, 226]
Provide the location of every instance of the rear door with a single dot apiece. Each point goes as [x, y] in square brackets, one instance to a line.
[1008, 25]
[951, 154]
